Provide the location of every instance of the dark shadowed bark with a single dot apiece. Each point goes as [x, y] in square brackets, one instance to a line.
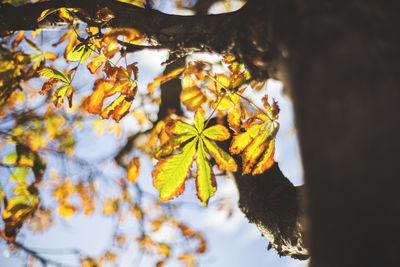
[339, 61]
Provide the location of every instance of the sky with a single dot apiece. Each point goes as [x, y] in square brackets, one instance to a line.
[231, 241]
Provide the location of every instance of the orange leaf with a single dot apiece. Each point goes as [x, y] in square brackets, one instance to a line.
[95, 63]
[267, 159]
[47, 85]
[133, 170]
[102, 89]
[18, 39]
[50, 56]
[118, 108]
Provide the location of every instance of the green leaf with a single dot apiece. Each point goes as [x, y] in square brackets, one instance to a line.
[173, 144]
[199, 117]
[171, 172]
[19, 174]
[205, 179]
[217, 133]
[80, 52]
[180, 127]
[11, 158]
[52, 73]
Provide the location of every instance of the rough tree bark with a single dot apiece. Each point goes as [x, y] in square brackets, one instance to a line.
[338, 60]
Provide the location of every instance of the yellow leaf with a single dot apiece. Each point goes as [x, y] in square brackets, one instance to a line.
[164, 78]
[66, 210]
[253, 151]
[223, 159]
[58, 95]
[171, 172]
[189, 259]
[18, 39]
[235, 118]
[46, 13]
[133, 170]
[110, 206]
[172, 144]
[267, 159]
[118, 108]
[205, 179]
[241, 140]
[217, 133]
[102, 88]
[192, 97]
[66, 15]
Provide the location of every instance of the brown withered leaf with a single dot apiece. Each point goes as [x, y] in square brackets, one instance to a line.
[104, 14]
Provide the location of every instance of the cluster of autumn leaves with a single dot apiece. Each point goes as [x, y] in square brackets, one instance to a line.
[175, 142]
[254, 134]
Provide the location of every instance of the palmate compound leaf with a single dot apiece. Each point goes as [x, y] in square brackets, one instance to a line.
[54, 77]
[171, 172]
[257, 143]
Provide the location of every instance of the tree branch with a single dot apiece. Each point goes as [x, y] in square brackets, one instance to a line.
[243, 33]
[276, 207]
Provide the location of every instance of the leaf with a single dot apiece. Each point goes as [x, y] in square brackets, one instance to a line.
[47, 85]
[192, 97]
[205, 179]
[172, 144]
[223, 159]
[118, 108]
[267, 160]
[217, 133]
[59, 94]
[102, 89]
[80, 52]
[171, 172]
[18, 39]
[133, 170]
[241, 140]
[66, 15]
[199, 119]
[162, 79]
[177, 166]
[189, 259]
[50, 56]
[257, 143]
[235, 118]
[95, 63]
[66, 210]
[64, 37]
[19, 174]
[52, 73]
[46, 13]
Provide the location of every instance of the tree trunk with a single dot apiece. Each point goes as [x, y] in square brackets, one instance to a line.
[342, 69]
